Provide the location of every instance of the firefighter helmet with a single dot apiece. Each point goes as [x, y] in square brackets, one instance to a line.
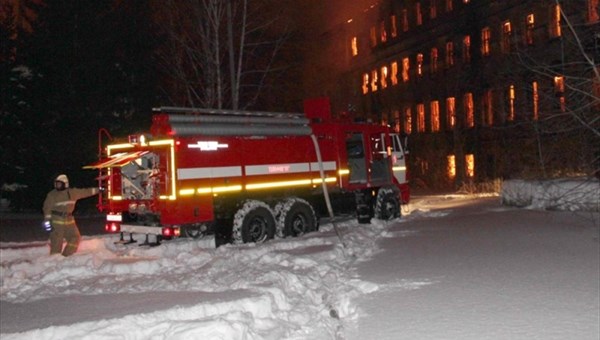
[64, 179]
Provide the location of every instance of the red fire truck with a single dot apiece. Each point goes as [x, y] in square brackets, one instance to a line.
[248, 176]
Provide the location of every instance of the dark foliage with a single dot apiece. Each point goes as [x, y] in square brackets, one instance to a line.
[82, 67]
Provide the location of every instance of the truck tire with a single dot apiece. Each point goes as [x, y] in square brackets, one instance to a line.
[295, 217]
[387, 205]
[364, 210]
[254, 222]
[196, 231]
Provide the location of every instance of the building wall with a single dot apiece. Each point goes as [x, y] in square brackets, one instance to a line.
[506, 134]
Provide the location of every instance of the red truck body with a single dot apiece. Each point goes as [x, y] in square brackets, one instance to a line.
[242, 174]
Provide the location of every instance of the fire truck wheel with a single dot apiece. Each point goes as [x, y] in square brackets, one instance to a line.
[387, 206]
[254, 222]
[296, 217]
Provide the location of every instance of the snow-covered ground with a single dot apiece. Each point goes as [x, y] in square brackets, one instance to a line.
[453, 267]
[572, 194]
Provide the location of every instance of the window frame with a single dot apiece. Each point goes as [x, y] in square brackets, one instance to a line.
[421, 127]
[506, 36]
[449, 54]
[450, 113]
[466, 55]
[486, 38]
[555, 22]
[434, 109]
[469, 107]
[530, 29]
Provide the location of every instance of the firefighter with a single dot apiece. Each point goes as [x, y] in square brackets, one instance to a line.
[58, 215]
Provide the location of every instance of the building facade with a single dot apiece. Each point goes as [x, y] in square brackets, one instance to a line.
[482, 89]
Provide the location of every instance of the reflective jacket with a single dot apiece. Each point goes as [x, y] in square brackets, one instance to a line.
[59, 205]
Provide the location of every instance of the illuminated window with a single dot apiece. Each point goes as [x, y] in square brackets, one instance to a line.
[423, 166]
[397, 121]
[470, 164]
[432, 9]
[559, 85]
[450, 112]
[554, 23]
[511, 103]
[394, 75]
[535, 100]
[593, 11]
[384, 76]
[469, 110]
[559, 91]
[373, 36]
[365, 83]
[434, 60]
[420, 64]
[418, 14]
[404, 20]
[382, 30]
[449, 5]
[506, 36]
[394, 26]
[374, 80]
[354, 45]
[488, 113]
[405, 69]
[486, 35]
[529, 29]
[384, 119]
[467, 49]
[451, 166]
[435, 116]
[421, 117]
[449, 54]
[407, 121]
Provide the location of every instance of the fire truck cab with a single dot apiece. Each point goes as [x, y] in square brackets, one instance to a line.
[248, 176]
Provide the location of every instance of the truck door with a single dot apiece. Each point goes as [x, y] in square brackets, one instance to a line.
[380, 166]
[356, 157]
[398, 159]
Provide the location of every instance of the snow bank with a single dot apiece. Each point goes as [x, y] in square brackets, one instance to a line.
[572, 194]
[293, 288]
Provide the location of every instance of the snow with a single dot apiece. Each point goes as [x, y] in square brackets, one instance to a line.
[453, 267]
[557, 194]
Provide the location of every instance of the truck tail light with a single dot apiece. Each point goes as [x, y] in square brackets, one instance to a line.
[169, 232]
[112, 227]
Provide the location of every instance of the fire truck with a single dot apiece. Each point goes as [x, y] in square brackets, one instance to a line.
[248, 176]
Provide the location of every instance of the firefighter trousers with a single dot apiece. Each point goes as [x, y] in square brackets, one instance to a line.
[68, 232]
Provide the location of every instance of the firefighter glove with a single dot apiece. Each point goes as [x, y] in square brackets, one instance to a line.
[48, 226]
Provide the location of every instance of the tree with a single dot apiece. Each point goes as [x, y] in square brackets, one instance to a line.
[219, 54]
[81, 67]
[572, 76]
[17, 81]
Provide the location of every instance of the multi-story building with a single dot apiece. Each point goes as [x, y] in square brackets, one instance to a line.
[482, 89]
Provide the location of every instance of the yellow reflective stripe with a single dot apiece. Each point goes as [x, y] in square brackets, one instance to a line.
[266, 185]
[64, 222]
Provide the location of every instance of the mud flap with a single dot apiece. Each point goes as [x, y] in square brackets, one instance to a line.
[223, 230]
